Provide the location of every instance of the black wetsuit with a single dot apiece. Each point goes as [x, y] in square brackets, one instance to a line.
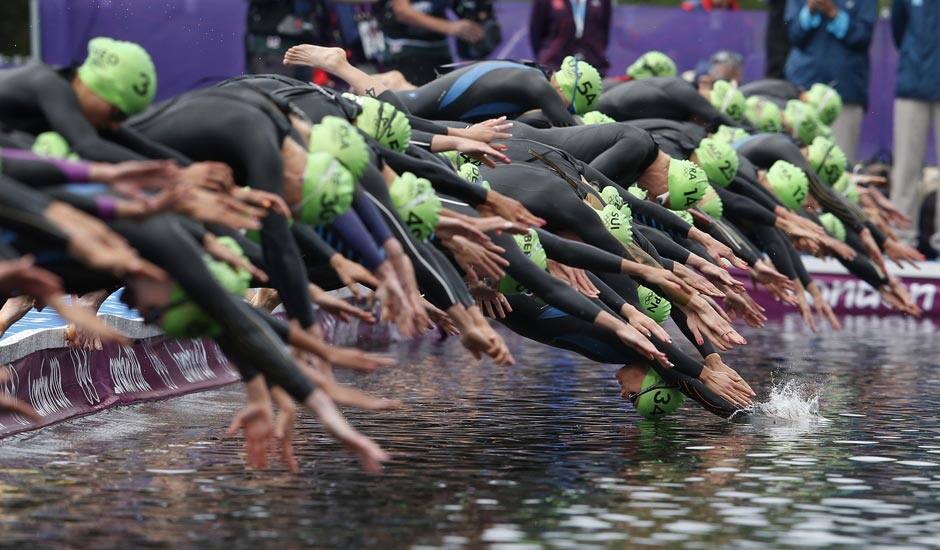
[777, 90]
[661, 97]
[36, 98]
[486, 90]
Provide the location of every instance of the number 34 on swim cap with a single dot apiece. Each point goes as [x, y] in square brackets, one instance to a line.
[121, 73]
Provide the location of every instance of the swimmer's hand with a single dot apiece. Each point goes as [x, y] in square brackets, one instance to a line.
[895, 294]
[352, 274]
[822, 306]
[718, 251]
[765, 273]
[634, 339]
[837, 247]
[900, 252]
[803, 305]
[714, 362]
[322, 376]
[741, 303]
[440, 318]
[256, 419]
[371, 456]
[644, 324]
[497, 204]
[486, 131]
[574, 277]
[284, 427]
[704, 322]
[871, 248]
[493, 303]
[21, 275]
[450, 226]
[487, 224]
[262, 199]
[356, 359]
[338, 307]
[725, 387]
[213, 176]
[486, 261]
[222, 208]
[483, 152]
[696, 281]
[151, 175]
[13, 405]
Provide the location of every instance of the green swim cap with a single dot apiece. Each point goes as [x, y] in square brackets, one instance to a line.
[802, 120]
[416, 203]
[826, 101]
[711, 204]
[328, 189]
[52, 144]
[687, 183]
[653, 305]
[531, 246]
[121, 73]
[656, 398]
[730, 134]
[833, 225]
[637, 192]
[763, 114]
[612, 196]
[451, 158]
[827, 159]
[789, 183]
[596, 117]
[684, 216]
[580, 84]
[381, 120]
[850, 191]
[650, 64]
[341, 139]
[728, 99]
[185, 319]
[471, 173]
[718, 160]
[618, 225]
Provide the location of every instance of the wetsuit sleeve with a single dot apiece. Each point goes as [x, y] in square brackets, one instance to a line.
[755, 192]
[389, 96]
[706, 349]
[421, 139]
[445, 181]
[776, 248]
[579, 255]
[665, 246]
[134, 140]
[797, 261]
[623, 285]
[544, 285]
[314, 247]
[646, 246]
[731, 237]
[59, 105]
[21, 209]
[741, 207]
[607, 295]
[547, 99]
[371, 217]
[862, 266]
[36, 171]
[353, 232]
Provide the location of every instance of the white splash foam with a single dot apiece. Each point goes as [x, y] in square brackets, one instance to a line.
[789, 401]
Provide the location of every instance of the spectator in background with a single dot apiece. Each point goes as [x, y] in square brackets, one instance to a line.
[709, 5]
[915, 25]
[830, 40]
[274, 26]
[416, 36]
[776, 42]
[559, 28]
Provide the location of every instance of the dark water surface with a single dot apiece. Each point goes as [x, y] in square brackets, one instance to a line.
[544, 454]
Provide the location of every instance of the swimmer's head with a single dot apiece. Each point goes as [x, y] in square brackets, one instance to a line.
[651, 396]
[827, 159]
[416, 203]
[119, 73]
[182, 318]
[729, 134]
[617, 223]
[833, 225]
[53, 145]
[763, 114]
[789, 184]
[650, 64]
[612, 196]
[381, 120]
[718, 159]
[451, 158]
[800, 120]
[711, 204]
[328, 189]
[728, 99]
[653, 305]
[847, 188]
[687, 182]
[531, 246]
[637, 191]
[596, 117]
[579, 84]
[341, 139]
[471, 173]
[826, 101]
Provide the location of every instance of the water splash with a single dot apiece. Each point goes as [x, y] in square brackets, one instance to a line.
[791, 401]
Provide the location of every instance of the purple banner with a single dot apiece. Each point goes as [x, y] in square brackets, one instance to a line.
[67, 382]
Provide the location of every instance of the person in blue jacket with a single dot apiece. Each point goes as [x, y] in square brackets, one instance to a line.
[915, 25]
[829, 44]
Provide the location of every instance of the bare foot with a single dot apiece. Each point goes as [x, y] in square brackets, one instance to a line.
[315, 56]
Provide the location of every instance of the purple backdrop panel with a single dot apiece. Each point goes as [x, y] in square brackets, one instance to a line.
[192, 42]
[689, 37]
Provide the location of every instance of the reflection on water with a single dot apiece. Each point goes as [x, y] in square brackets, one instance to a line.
[541, 454]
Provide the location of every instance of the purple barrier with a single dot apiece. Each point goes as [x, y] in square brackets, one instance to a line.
[64, 383]
[192, 42]
[847, 295]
